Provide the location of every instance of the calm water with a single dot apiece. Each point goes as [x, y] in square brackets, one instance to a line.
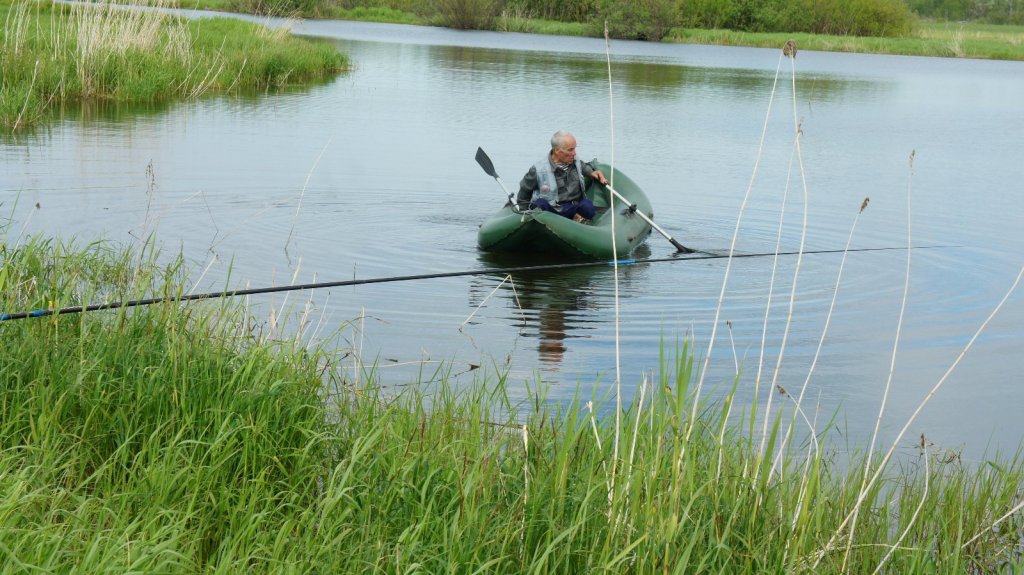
[372, 174]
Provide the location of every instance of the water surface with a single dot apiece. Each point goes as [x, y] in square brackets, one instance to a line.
[372, 174]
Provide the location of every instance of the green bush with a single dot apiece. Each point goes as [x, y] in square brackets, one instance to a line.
[467, 14]
[286, 8]
[567, 11]
[838, 17]
[638, 20]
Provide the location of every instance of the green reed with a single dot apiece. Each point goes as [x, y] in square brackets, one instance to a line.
[53, 54]
[176, 438]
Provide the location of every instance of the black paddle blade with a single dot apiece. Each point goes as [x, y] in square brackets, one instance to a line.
[681, 248]
[485, 163]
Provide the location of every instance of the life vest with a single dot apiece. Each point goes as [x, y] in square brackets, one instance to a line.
[546, 177]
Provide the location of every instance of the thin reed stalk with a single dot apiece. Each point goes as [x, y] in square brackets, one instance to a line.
[728, 266]
[892, 361]
[615, 258]
[828, 322]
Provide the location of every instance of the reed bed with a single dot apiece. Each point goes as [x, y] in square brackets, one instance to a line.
[180, 439]
[53, 54]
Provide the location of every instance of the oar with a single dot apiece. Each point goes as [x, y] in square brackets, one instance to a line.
[488, 166]
[632, 207]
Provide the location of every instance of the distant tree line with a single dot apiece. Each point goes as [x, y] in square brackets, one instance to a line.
[988, 11]
[652, 19]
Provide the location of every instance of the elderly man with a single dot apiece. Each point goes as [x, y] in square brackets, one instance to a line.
[556, 183]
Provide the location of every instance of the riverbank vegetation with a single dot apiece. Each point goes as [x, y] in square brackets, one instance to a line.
[53, 54]
[951, 28]
[178, 438]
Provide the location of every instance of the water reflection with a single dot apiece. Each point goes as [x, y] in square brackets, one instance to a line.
[121, 114]
[556, 306]
[640, 78]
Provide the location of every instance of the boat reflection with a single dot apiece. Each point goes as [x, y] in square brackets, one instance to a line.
[554, 305]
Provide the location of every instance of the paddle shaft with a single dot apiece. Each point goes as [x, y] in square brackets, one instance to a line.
[485, 162]
[679, 246]
[488, 166]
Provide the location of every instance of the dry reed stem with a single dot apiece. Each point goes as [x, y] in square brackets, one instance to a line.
[768, 308]
[1015, 509]
[302, 194]
[214, 258]
[104, 30]
[798, 132]
[16, 28]
[913, 518]
[821, 340]
[28, 98]
[801, 497]
[892, 361]
[600, 449]
[732, 346]
[829, 546]
[721, 436]
[615, 257]
[624, 517]
[728, 267]
[507, 278]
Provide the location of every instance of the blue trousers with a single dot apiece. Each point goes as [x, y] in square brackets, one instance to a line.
[584, 207]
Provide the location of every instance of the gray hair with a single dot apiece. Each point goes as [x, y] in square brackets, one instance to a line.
[558, 140]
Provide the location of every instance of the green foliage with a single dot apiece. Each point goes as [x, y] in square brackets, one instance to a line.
[173, 428]
[1001, 12]
[638, 20]
[467, 14]
[153, 425]
[84, 52]
[283, 8]
[712, 14]
[887, 18]
[378, 14]
[567, 11]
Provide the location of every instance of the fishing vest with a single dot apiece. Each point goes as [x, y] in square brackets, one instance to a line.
[546, 177]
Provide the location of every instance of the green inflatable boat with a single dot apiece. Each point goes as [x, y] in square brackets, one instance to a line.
[543, 232]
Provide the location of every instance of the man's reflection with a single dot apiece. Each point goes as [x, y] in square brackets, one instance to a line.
[555, 304]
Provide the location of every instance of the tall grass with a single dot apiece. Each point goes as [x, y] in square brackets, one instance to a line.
[175, 439]
[63, 53]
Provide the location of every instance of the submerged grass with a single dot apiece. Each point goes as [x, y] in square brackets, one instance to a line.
[53, 53]
[177, 439]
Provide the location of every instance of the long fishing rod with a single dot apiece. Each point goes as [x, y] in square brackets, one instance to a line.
[484, 271]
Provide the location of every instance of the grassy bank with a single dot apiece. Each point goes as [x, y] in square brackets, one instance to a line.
[924, 38]
[54, 54]
[943, 39]
[182, 439]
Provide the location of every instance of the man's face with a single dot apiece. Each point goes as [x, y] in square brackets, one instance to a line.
[567, 153]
